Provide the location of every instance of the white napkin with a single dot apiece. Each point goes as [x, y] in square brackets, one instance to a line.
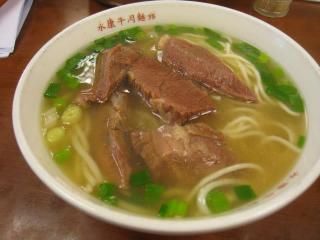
[12, 16]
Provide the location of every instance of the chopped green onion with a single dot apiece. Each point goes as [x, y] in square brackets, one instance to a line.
[131, 34]
[110, 42]
[52, 90]
[65, 74]
[71, 115]
[96, 48]
[217, 201]
[187, 29]
[56, 135]
[140, 178]
[214, 35]
[73, 62]
[100, 41]
[172, 29]
[268, 79]
[278, 72]
[288, 94]
[68, 79]
[173, 208]
[71, 81]
[105, 43]
[248, 51]
[153, 192]
[60, 104]
[141, 35]
[106, 192]
[159, 29]
[301, 141]
[124, 36]
[176, 30]
[244, 192]
[215, 43]
[271, 78]
[263, 58]
[62, 155]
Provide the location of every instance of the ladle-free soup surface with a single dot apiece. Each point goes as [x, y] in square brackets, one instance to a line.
[92, 142]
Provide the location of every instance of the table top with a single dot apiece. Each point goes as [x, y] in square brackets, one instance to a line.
[29, 210]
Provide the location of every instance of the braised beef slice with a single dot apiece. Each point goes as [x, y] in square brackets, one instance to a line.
[120, 151]
[119, 146]
[182, 154]
[111, 69]
[118, 116]
[198, 64]
[115, 155]
[168, 94]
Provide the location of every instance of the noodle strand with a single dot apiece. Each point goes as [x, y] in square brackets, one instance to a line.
[201, 198]
[282, 141]
[86, 158]
[220, 173]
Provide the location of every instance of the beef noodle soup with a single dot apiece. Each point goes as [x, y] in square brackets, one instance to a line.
[173, 121]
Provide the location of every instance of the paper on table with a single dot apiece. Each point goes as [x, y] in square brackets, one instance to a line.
[12, 16]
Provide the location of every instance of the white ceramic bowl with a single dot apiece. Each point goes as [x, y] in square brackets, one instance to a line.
[295, 60]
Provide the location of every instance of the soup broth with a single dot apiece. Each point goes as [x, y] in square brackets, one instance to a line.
[265, 138]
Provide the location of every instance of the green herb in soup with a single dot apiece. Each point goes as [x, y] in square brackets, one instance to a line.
[272, 76]
[173, 121]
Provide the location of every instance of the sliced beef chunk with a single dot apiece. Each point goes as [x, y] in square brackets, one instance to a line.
[118, 115]
[119, 145]
[111, 70]
[198, 64]
[121, 154]
[183, 154]
[114, 157]
[168, 93]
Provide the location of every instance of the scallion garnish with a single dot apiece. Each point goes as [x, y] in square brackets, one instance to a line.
[217, 201]
[173, 208]
[245, 192]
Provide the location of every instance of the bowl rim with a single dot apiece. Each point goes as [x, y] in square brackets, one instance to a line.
[141, 223]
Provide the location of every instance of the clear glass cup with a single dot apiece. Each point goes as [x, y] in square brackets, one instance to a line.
[272, 8]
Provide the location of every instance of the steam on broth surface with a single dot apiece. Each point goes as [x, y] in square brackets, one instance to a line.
[92, 142]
